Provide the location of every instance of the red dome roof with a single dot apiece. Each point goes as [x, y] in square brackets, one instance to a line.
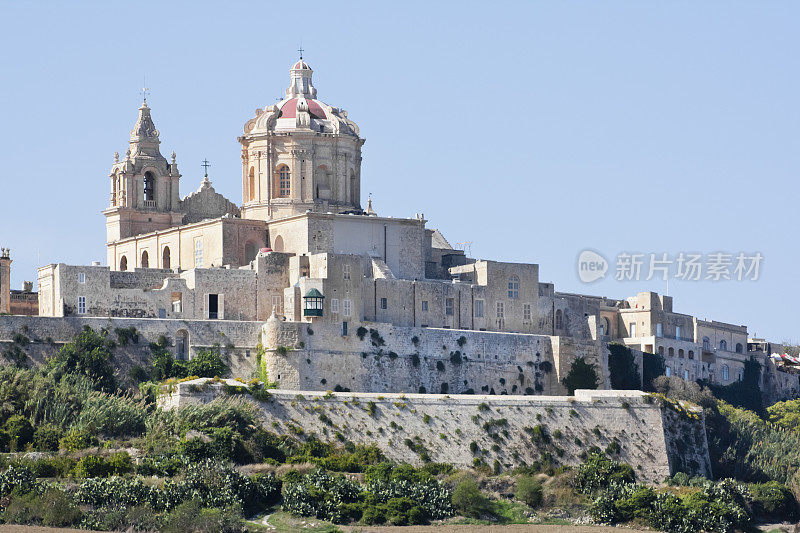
[300, 64]
[289, 109]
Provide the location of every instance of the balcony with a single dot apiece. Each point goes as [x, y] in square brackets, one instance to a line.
[151, 204]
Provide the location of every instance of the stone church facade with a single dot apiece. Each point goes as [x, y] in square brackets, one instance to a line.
[345, 296]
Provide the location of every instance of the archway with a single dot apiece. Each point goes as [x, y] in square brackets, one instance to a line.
[123, 263]
[145, 260]
[277, 245]
[165, 258]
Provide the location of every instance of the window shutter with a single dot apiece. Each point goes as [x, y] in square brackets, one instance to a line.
[206, 308]
[221, 304]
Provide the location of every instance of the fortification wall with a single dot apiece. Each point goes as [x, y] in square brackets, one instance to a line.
[514, 430]
[237, 339]
[407, 359]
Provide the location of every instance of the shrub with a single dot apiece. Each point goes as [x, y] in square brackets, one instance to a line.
[598, 472]
[88, 354]
[53, 508]
[20, 432]
[191, 516]
[772, 500]
[45, 438]
[207, 364]
[468, 499]
[529, 491]
[76, 440]
[653, 366]
[581, 375]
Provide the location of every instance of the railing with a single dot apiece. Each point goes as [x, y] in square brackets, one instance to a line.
[149, 203]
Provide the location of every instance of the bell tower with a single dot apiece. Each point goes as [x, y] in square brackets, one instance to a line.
[144, 185]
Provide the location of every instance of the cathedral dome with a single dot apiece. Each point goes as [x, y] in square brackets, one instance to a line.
[300, 110]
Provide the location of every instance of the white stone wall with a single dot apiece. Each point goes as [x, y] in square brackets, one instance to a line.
[444, 426]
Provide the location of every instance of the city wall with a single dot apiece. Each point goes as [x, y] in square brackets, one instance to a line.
[513, 430]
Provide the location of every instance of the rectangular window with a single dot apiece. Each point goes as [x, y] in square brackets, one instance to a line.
[347, 307]
[384, 303]
[345, 271]
[632, 329]
[213, 306]
[677, 332]
[276, 305]
[448, 306]
[162, 313]
[81, 277]
[526, 312]
[478, 308]
[334, 305]
[658, 330]
[81, 305]
[344, 329]
[177, 302]
[198, 253]
[424, 305]
[500, 310]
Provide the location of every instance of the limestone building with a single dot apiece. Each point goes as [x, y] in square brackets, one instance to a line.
[347, 297]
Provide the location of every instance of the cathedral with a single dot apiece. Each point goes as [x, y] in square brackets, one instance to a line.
[328, 292]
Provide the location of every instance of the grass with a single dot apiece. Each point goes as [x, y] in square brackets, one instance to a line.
[281, 522]
[505, 512]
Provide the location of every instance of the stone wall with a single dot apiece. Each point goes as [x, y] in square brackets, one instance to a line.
[406, 359]
[238, 340]
[514, 430]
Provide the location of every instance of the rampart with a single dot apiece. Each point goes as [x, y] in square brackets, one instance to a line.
[655, 437]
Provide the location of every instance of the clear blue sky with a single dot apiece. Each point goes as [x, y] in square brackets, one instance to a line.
[533, 129]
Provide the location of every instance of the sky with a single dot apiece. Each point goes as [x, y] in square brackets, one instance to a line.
[534, 130]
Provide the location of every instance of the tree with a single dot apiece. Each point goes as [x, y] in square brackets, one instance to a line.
[746, 392]
[90, 353]
[622, 368]
[469, 500]
[581, 375]
[653, 366]
[529, 490]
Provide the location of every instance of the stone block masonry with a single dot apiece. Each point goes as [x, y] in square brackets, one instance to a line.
[639, 429]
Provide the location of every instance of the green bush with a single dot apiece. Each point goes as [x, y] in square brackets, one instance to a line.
[53, 508]
[45, 438]
[97, 466]
[529, 491]
[469, 500]
[773, 501]
[76, 440]
[207, 364]
[90, 354]
[597, 472]
[20, 432]
[191, 516]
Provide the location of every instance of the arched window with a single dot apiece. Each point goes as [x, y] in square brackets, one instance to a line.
[123, 263]
[145, 260]
[284, 181]
[277, 244]
[660, 350]
[725, 372]
[671, 351]
[691, 354]
[559, 319]
[723, 345]
[739, 347]
[250, 251]
[706, 344]
[149, 187]
[513, 287]
[165, 258]
[252, 183]
[680, 353]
